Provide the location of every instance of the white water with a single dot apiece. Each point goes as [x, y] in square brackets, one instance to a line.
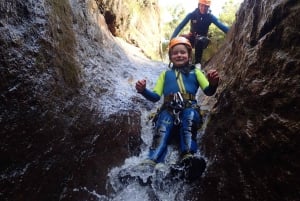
[162, 188]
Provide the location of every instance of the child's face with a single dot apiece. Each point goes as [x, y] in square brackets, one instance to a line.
[179, 55]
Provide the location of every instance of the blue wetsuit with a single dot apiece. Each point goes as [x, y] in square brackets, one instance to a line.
[199, 26]
[168, 83]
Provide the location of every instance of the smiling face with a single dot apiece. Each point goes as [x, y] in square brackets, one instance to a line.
[203, 8]
[179, 55]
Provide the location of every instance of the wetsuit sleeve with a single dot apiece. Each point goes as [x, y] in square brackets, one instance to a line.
[150, 95]
[181, 25]
[210, 90]
[157, 92]
[219, 24]
[204, 84]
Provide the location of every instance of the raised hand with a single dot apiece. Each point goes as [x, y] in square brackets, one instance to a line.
[213, 77]
[140, 85]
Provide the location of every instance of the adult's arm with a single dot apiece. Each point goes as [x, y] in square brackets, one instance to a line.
[219, 24]
[181, 25]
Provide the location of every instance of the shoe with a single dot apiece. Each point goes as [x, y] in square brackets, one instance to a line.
[186, 157]
[161, 167]
[146, 165]
[148, 162]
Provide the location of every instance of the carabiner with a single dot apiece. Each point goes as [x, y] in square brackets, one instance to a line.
[177, 118]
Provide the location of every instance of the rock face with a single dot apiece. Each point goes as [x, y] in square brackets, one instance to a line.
[253, 134]
[137, 22]
[56, 144]
[54, 141]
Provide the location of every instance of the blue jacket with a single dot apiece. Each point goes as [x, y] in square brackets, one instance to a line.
[173, 81]
[199, 23]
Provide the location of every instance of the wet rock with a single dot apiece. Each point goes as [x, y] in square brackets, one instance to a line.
[123, 21]
[251, 137]
[55, 144]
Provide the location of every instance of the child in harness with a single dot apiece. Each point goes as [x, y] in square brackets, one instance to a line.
[178, 85]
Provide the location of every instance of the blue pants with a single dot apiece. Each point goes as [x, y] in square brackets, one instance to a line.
[190, 122]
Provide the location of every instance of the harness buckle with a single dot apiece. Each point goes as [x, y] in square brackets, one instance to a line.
[178, 105]
[177, 102]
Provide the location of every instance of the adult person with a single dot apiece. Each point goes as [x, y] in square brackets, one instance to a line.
[200, 20]
[178, 85]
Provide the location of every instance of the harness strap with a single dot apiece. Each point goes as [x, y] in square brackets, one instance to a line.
[175, 103]
[186, 97]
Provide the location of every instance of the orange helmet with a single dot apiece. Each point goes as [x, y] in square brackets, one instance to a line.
[205, 2]
[180, 40]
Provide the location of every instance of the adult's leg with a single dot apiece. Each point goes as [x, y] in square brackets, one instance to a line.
[198, 52]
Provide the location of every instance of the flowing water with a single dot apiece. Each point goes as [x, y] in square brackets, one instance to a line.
[163, 186]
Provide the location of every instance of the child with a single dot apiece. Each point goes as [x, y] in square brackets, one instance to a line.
[179, 86]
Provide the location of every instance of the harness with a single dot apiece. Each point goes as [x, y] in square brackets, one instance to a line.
[203, 41]
[199, 28]
[175, 103]
[200, 22]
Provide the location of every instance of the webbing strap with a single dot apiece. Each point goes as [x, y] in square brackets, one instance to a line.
[185, 97]
[180, 82]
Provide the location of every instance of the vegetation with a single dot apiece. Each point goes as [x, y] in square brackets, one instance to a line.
[227, 16]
